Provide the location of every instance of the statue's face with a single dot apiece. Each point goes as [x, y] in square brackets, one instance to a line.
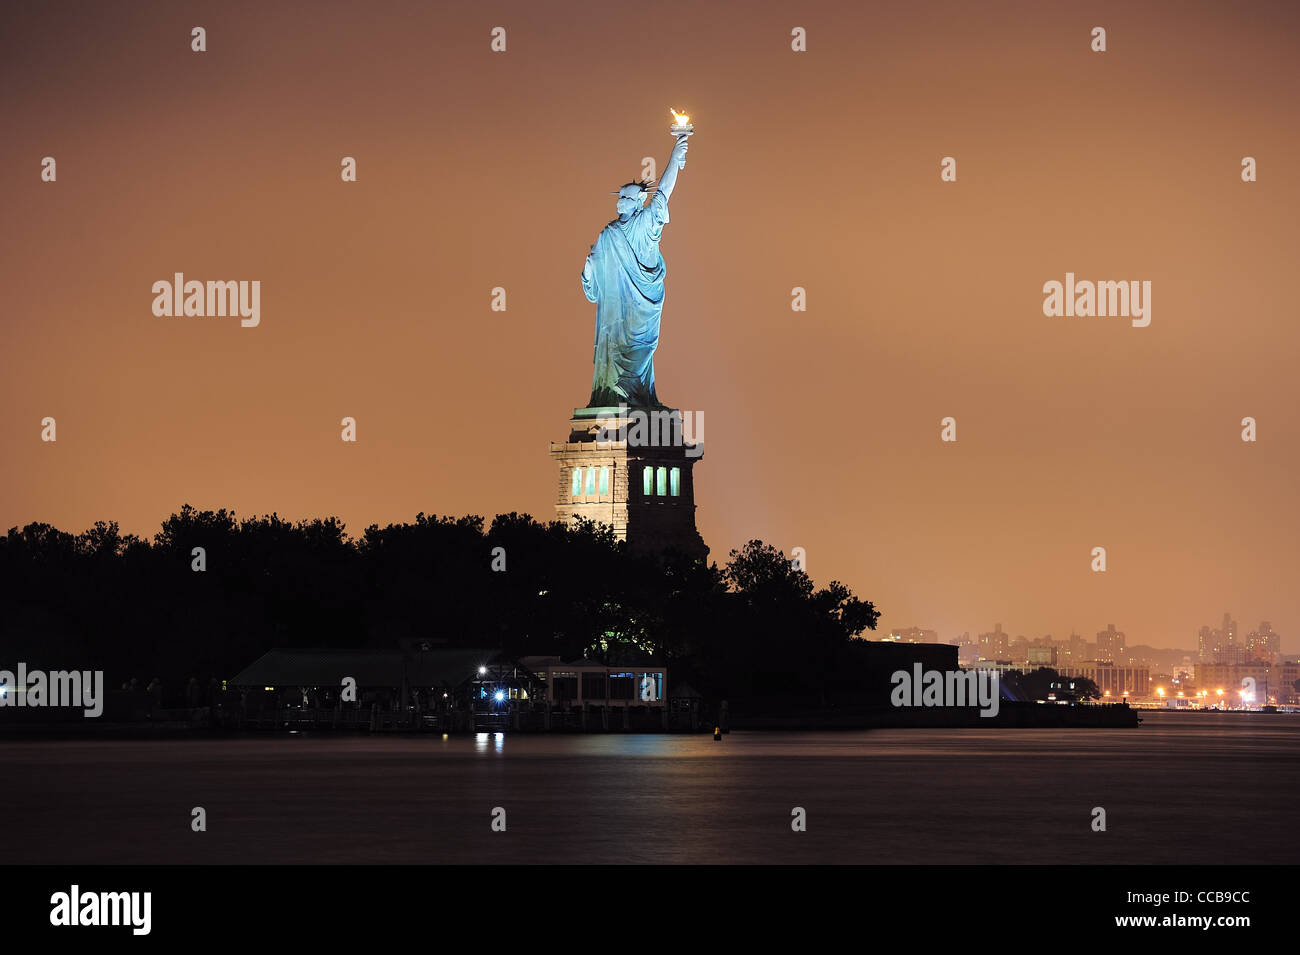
[630, 199]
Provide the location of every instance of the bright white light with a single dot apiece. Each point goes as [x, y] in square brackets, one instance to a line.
[482, 670]
[500, 695]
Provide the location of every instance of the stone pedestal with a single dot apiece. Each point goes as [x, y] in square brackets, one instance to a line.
[632, 470]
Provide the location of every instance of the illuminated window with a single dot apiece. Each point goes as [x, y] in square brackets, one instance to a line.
[604, 480]
[591, 482]
[647, 478]
[577, 482]
[661, 482]
[675, 482]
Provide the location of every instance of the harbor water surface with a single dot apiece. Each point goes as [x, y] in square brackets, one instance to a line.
[1182, 788]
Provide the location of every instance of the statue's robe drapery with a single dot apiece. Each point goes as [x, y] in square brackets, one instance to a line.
[624, 276]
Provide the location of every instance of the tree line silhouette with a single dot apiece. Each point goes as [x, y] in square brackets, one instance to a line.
[136, 608]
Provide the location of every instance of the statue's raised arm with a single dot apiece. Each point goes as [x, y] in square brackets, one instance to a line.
[676, 162]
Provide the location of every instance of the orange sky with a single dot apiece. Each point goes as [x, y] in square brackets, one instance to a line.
[820, 169]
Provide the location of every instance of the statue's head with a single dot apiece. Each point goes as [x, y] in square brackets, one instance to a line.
[632, 196]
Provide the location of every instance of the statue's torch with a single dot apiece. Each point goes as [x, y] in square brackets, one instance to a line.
[682, 126]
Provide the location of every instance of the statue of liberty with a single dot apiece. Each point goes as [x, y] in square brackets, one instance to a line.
[624, 276]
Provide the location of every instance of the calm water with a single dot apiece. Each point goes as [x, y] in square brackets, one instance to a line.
[1182, 788]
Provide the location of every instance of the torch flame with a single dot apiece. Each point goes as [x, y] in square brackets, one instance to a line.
[679, 119]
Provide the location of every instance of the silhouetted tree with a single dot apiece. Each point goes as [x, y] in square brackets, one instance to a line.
[139, 609]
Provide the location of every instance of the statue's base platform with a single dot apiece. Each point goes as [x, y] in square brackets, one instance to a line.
[631, 468]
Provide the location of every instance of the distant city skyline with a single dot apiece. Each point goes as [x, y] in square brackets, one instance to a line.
[1263, 638]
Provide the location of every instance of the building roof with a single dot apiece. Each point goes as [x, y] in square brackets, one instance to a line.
[631, 663]
[370, 668]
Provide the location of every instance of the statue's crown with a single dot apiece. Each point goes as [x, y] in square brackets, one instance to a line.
[643, 184]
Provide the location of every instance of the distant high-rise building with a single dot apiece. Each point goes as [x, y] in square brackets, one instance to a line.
[1074, 650]
[1222, 645]
[1229, 636]
[1207, 644]
[995, 645]
[1264, 643]
[1110, 645]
